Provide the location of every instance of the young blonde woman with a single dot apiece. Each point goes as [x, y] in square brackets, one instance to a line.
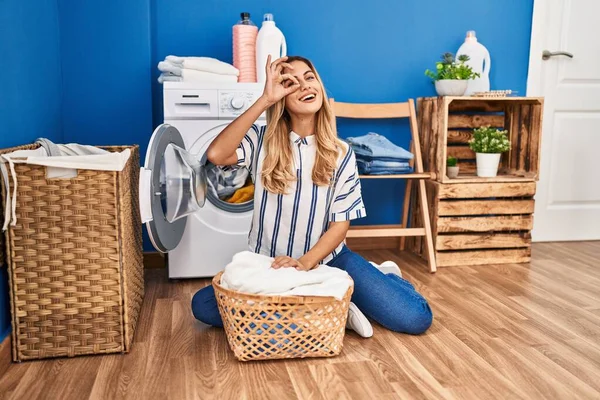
[307, 190]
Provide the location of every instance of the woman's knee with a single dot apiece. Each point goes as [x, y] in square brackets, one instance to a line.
[414, 321]
[203, 306]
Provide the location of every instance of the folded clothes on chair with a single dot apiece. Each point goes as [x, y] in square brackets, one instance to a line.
[375, 145]
[251, 273]
[377, 167]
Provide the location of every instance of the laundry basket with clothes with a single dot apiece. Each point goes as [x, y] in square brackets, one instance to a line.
[377, 155]
[72, 230]
[270, 313]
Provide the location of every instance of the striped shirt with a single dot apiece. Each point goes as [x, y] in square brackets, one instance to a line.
[292, 223]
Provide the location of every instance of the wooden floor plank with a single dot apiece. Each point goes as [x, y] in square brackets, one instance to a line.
[522, 331]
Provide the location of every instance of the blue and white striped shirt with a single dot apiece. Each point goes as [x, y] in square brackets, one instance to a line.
[291, 224]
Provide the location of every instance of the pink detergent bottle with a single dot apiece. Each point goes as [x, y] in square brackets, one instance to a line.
[244, 48]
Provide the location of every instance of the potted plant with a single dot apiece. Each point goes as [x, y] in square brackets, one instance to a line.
[452, 167]
[451, 76]
[488, 144]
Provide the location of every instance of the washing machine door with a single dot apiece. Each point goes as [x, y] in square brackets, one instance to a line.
[172, 186]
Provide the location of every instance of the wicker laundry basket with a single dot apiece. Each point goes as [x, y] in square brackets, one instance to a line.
[273, 327]
[74, 261]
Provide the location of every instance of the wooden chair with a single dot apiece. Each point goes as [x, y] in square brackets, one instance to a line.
[395, 110]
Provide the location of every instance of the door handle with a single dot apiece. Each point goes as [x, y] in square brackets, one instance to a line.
[547, 54]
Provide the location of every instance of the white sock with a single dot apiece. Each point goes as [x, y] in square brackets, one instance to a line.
[358, 322]
[388, 267]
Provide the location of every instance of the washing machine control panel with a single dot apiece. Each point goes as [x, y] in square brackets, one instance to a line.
[234, 103]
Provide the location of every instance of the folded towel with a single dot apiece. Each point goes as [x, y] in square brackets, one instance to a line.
[249, 272]
[191, 75]
[169, 68]
[166, 77]
[206, 64]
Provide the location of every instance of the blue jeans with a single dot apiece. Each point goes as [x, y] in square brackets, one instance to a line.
[387, 299]
[377, 146]
[377, 167]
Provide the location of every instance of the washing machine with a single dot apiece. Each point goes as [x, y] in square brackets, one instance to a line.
[184, 217]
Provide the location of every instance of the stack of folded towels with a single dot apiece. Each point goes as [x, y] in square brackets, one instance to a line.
[196, 69]
[376, 155]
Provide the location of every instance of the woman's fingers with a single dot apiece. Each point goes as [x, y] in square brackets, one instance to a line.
[268, 67]
[280, 67]
[290, 77]
[290, 83]
[284, 261]
[280, 261]
[277, 261]
[276, 63]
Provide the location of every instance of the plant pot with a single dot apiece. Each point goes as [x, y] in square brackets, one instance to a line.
[452, 172]
[487, 164]
[451, 87]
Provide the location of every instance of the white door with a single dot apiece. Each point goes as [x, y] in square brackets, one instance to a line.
[568, 194]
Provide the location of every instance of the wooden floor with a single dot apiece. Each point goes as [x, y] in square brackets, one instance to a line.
[511, 331]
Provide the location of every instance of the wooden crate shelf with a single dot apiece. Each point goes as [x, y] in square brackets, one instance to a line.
[478, 223]
[446, 125]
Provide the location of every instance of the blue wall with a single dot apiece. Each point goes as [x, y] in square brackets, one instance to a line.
[105, 49]
[30, 104]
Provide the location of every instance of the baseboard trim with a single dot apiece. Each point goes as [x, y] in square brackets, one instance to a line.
[154, 260]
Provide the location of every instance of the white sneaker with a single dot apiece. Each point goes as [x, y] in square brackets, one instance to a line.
[388, 267]
[358, 322]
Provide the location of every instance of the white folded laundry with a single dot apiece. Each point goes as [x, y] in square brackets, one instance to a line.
[166, 77]
[170, 68]
[191, 75]
[207, 64]
[251, 273]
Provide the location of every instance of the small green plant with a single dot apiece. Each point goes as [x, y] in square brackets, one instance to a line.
[449, 68]
[451, 162]
[489, 140]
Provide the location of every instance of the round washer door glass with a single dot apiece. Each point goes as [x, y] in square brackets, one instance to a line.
[175, 187]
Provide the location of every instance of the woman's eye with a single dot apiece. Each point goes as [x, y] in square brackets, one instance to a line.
[310, 78]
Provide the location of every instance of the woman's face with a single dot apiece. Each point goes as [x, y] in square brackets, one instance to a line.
[308, 99]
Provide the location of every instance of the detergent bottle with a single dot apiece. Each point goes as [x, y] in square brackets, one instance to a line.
[244, 48]
[271, 41]
[479, 60]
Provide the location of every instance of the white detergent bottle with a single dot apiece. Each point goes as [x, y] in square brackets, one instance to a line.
[271, 41]
[479, 60]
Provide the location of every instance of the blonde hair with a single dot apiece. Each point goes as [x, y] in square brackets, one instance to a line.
[277, 170]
